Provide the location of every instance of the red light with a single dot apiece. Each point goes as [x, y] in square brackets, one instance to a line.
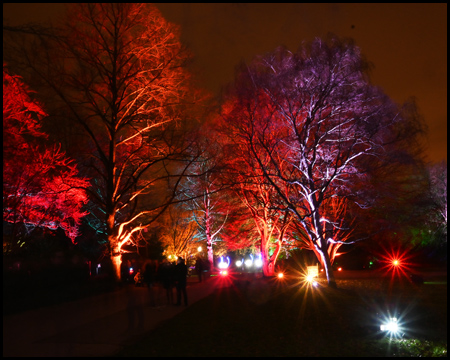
[396, 262]
[224, 273]
[280, 275]
[340, 269]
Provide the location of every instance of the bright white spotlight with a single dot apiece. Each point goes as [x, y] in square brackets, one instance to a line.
[249, 262]
[239, 263]
[258, 261]
[391, 326]
[223, 264]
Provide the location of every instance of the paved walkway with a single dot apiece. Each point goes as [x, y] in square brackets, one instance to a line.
[94, 326]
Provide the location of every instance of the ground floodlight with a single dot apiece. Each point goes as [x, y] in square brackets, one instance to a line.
[258, 261]
[223, 264]
[391, 326]
[280, 275]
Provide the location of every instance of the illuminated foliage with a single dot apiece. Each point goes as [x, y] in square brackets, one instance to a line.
[41, 186]
[316, 128]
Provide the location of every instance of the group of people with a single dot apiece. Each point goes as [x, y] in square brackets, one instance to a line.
[169, 276]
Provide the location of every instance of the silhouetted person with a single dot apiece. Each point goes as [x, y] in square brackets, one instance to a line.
[180, 281]
[199, 268]
[165, 276]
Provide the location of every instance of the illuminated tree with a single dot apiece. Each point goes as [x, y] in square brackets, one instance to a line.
[435, 214]
[438, 190]
[336, 226]
[41, 186]
[203, 188]
[116, 71]
[270, 217]
[178, 230]
[322, 127]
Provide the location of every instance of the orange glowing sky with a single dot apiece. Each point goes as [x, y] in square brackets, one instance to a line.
[407, 43]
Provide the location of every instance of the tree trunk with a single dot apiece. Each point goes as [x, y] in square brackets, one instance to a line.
[114, 251]
[328, 269]
[209, 247]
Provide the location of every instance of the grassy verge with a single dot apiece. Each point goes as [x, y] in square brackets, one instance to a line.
[261, 318]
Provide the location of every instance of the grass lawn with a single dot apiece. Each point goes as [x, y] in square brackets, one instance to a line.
[264, 317]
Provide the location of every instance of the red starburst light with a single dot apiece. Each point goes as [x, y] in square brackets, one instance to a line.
[397, 263]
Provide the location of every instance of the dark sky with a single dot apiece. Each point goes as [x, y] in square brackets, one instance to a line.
[407, 43]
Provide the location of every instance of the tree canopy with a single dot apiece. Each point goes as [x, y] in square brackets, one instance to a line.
[317, 130]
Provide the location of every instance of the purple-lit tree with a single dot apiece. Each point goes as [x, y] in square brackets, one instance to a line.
[322, 126]
[438, 189]
[116, 71]
[437, 216]
[41, 186]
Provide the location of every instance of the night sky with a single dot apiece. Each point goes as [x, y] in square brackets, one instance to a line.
[407, 43]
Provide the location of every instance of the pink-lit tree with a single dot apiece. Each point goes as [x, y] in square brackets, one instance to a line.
[117, 72]
[321, 124]
[41, 186]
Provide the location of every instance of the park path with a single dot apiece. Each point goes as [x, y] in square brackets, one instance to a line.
[95, 326]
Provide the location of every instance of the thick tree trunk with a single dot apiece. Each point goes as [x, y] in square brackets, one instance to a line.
[270, 261]
[114, 251]
[328, 269]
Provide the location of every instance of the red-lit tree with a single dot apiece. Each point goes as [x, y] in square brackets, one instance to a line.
[116, 70]
[323, 127]
[41, 186]
[270, 217]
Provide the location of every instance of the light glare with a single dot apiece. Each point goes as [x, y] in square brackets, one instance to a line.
[391, 326]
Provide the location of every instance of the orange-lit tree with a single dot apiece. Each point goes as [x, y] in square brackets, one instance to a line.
[320, 123]
[41, 186]
[177, 232]
[117, 71]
